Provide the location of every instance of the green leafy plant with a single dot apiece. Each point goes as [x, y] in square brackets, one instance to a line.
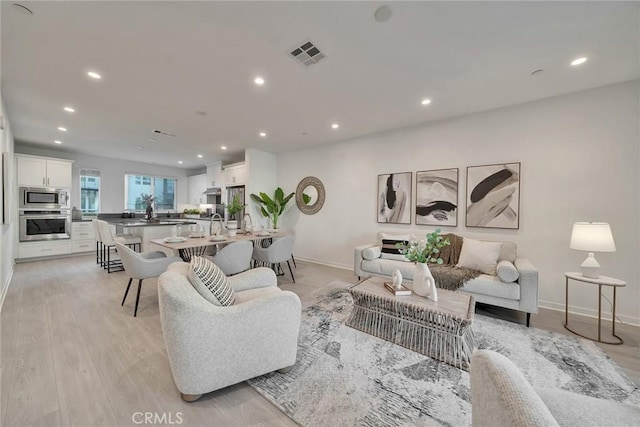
[234, 207]
[191, 211]
[272, 208]
[425, 250]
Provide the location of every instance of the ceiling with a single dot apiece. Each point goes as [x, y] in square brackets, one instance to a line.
[187, 68]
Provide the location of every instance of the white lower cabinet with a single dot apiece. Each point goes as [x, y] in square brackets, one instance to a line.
[83, 238]
[41, 249]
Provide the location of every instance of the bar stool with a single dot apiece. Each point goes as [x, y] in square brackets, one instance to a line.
[108, 243]
[96, 232]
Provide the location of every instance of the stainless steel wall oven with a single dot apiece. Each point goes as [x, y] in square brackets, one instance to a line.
[44, 225]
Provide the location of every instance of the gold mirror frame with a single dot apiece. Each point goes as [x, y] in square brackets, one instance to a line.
[315, 183]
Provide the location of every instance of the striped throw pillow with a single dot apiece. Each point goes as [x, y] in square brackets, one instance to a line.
[390, 251]
[210, 282]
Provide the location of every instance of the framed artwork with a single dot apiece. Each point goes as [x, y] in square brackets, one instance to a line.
[394, 198]
[493, 196]
[437, 197]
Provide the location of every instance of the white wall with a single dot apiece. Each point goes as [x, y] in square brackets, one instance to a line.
[261, 167]
[7, 230]
[111, 176]
[580, 162]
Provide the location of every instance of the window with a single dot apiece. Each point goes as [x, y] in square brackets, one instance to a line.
[164, 189]
[89, 191]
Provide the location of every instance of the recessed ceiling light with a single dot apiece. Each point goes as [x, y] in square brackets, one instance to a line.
[180, 162]
[263, 134]
[335, 126]
[63, 129]
[579, 61]
[200, 156]
[224, 147]
[259, 81]
[57, 142]
[426, 101]
[94, 75]
[69, 110]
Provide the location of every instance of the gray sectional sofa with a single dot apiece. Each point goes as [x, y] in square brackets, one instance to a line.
[520, 295]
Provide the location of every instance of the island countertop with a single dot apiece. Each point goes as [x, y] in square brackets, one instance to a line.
[137, 222]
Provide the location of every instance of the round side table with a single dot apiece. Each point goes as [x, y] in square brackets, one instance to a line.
[600, 281]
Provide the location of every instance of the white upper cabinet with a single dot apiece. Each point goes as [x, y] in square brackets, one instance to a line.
[44, 172]
[214, 175]
[235, 174]
[197, 186]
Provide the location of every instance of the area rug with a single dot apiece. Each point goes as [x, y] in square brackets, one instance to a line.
[348, 378]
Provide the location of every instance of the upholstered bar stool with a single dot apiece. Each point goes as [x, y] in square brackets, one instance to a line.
[96, 232]
[108, 244]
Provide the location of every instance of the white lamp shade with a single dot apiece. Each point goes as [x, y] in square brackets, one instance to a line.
[592, 237]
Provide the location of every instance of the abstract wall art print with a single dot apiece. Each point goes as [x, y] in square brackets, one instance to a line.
[493, 196]
[437, 197]
[394, 198]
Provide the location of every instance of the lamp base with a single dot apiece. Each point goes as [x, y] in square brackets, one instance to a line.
[590, 267]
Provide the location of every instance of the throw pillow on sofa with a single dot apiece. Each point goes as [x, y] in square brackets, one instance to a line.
[210, 282]
[479, 255]
[507, 272]
[389, 249]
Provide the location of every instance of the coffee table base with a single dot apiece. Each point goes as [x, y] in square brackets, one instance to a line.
[443, 336]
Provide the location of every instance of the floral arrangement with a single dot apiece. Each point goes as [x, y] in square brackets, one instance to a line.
[147, 200]
[424, 251]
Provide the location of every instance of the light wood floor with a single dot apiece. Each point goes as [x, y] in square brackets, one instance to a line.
[72, 356]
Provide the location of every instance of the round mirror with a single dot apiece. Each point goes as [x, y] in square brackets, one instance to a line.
[310, 195]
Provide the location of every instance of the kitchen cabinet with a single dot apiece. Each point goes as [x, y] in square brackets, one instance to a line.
[82, 237]
[197, 186]
[43, 249]
[214, 175]
[43, 172]
[235, 174]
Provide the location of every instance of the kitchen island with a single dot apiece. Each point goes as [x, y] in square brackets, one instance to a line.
[153, 229]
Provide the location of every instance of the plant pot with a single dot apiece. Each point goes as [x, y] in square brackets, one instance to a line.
[232, 232]
[232, 224]
[424, 283]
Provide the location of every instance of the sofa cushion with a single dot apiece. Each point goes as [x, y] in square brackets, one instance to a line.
[490, 285]
[507, 272]
[210, 282]
[371, 253]
[405, 236]
[390, 250]
[386, 267]
[479, 255]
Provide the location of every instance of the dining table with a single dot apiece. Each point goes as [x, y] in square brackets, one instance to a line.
[193, 245]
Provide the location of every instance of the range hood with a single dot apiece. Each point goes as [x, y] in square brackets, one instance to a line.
[213, 191]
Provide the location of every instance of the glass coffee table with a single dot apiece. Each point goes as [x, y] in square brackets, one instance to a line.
[441, 330]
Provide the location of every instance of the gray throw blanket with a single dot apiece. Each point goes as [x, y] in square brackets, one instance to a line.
[447, 275]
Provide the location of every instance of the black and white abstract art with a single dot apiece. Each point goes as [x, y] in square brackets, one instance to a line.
[493, 196]
[437, 197]
[394, 198]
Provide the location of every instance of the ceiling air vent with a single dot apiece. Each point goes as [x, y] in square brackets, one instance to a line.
[307, 53]
[161, 132]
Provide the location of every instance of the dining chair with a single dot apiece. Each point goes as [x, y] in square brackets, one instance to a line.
[280, 250]
[142, 266]
[234, 258]
[96, 232]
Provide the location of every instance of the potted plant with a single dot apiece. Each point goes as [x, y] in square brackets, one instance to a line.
[272, 208]
[192, 213]
[423, 252]
[147, 201]
[233, 208]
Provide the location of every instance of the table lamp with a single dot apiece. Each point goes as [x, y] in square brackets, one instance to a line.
[592, 237]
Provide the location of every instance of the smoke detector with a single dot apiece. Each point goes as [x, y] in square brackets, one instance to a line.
[307, 53]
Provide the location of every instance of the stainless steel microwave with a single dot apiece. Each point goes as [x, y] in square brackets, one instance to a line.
[38, 198]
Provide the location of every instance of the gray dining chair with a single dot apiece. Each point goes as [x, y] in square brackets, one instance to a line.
[280, 250]
[142, 266]
[234, 258]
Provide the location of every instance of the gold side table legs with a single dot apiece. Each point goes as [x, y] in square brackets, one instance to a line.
[613, 328]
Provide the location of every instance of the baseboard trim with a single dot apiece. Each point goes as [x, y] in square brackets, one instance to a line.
[328, 264]
[606, 312]
[5, 288]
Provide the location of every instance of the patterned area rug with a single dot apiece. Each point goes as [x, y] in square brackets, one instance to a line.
[348, 378]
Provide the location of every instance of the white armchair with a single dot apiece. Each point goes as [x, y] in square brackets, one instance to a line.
[211, 347]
